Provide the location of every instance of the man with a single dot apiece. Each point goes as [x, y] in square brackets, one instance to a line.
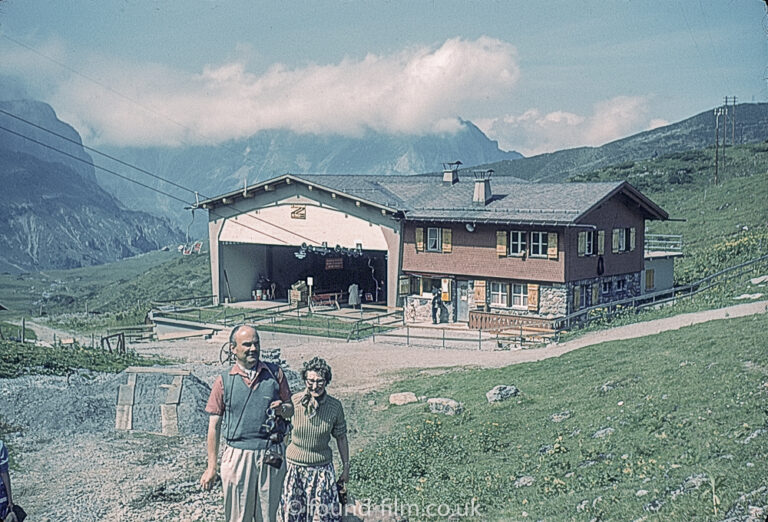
[241, 397]
[435, 305]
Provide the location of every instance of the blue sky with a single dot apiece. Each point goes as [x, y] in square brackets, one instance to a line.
[536, 76]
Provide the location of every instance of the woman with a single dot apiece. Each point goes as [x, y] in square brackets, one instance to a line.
[310, 491]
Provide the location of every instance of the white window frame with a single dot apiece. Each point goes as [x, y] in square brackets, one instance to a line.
[621, 285]
[498, 292]
[540, 242]
[607, 286]
[517, 242]
[434, 239]
[519, 295]
[589, 246]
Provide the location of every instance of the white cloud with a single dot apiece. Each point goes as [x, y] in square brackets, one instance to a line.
[534, 133]
[416, 91]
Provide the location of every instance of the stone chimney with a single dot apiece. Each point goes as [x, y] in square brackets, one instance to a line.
[451, 173]
[482, 194]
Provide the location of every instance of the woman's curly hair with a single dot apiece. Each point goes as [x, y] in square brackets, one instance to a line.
[317, 364]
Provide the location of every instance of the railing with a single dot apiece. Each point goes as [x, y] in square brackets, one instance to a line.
[498, 322]
[370, 326]
[608, 310]
[663, 243]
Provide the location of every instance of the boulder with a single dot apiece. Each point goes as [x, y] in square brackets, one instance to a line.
[398, 399]
[501, 392]
[444, 406]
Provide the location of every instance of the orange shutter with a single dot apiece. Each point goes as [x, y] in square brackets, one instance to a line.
[552, 245]
[533, 297]
[419, 239]
[576, 297]
[447, 236]
[615, 240]
[479, 292]
[600, 242]
[582, 248]
[501, 243]
[632, 238]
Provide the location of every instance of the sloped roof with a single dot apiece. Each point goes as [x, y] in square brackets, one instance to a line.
[427, 198]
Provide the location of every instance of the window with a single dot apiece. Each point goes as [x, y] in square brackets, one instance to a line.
[516, 243]
[621, 285]
[607, 287]
[649, 279]
[586, 243]
[498, 294]
[539, 244]
[623, 240]
[584, 295]
[520, 296]
[434, 240]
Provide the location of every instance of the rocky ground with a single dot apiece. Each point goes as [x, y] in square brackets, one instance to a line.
[73, 464]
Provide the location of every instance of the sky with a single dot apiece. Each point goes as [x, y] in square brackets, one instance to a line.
[535, 76]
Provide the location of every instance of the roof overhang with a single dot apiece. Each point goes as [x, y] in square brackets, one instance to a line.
[648, 208]
[272, 184]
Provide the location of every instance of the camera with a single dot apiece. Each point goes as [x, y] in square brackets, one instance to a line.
[276, 427]
[273, 458]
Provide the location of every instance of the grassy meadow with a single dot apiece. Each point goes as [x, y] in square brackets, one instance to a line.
[671, 427]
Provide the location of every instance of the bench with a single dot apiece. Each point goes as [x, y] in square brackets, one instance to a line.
[327, 299]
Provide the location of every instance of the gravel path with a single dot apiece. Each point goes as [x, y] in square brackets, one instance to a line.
[77, 467]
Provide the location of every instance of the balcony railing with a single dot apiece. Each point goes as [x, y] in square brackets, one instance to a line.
[663, 243]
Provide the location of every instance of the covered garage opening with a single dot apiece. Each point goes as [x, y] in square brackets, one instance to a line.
[249, 270]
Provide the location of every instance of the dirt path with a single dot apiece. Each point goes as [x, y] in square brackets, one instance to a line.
[365, 365]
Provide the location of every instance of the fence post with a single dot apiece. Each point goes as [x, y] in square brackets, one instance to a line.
[443, 329]
[479, 339]
[23, 329]
[328, 326]
[407, 335]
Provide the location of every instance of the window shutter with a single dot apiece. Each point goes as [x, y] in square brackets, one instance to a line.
[649, 278]
[508, 289]
[576, 297]
[615, 243]
[552, 245]
[479, 292]
[632, 238]
[600, 242]
[595, 294]
[419, 239]
[533, 297]
[501, 243]
[582, 243]
[447, 236]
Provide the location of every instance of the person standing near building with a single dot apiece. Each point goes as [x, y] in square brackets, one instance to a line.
[311, 489]
[435, 305]
[245, 398]
[354, 295]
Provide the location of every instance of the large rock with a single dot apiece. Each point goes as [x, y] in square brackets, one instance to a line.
[502, 392]
[444, 406]
[398, 399]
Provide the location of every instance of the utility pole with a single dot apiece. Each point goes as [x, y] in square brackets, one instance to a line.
[718, 112]
[733, 121]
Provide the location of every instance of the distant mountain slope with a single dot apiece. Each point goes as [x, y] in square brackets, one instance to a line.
[697, 132]
[53, 214]
[215, 170]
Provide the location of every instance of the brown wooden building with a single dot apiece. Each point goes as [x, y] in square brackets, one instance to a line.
[521, 253]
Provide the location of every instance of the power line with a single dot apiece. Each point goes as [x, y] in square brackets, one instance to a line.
[126, 178]
[91, 149]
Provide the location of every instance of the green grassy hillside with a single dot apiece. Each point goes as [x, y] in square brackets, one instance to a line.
[722, 224]
[115, 287]
[670, 426]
